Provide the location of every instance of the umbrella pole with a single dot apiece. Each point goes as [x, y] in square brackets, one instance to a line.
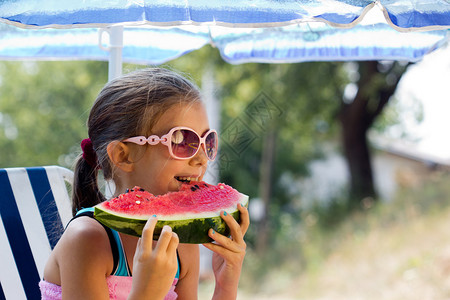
[114, 70]
[115, 52]
[114, 48]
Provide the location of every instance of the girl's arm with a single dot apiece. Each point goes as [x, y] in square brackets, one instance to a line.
[83, 259]
[187, 287]
[229, 255]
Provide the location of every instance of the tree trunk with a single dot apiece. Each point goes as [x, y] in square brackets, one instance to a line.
[357, 155]
[375, 89]
[266, 172]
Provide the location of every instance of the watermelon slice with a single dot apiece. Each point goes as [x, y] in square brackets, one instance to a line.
[191, 211]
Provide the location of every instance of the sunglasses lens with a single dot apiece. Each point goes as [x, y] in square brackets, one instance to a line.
[211, 143]
[184, 143]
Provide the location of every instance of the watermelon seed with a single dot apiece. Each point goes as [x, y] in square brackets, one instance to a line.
[197, 186]
[138, 202]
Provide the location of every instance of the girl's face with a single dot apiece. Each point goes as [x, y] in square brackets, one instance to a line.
[155, 170]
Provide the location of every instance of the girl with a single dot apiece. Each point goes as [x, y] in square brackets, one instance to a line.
[94, 262]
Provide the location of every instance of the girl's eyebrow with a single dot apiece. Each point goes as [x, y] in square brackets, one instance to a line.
[203, 133]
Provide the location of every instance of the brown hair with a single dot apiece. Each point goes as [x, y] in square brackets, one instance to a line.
[127, 106]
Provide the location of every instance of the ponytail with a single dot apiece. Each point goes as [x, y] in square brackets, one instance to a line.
[85, 191]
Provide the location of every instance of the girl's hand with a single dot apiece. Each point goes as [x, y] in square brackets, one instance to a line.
[154, 269]
[229, 255]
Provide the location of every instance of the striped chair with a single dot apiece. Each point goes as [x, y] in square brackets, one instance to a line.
[34, 208]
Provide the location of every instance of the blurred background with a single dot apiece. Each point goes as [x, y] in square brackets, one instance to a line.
[332, 117]
[322, 228]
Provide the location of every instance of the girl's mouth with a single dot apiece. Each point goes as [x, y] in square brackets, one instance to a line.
[185, 179]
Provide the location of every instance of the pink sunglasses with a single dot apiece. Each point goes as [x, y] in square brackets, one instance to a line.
[183, 142]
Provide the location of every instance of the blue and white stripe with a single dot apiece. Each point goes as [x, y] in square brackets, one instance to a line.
[233, 13]
[34, 208]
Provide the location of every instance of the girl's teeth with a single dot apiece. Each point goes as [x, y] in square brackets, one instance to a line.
[187, 179]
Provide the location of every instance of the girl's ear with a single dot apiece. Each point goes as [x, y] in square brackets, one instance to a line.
[119, 154]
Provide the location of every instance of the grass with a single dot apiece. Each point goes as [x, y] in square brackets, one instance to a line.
[396, 250]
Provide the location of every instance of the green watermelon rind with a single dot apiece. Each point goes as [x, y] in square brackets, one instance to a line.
[189, 231]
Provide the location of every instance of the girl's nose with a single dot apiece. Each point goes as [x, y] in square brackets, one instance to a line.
[200, 157]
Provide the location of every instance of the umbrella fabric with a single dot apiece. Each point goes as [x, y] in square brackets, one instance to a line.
[173, 12]
[243, 31]
[297, 43]
[141, 45]
[235, 13]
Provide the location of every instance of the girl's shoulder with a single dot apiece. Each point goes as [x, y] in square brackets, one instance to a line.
[85, 229]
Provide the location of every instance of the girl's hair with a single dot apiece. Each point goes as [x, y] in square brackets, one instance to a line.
[127, 106]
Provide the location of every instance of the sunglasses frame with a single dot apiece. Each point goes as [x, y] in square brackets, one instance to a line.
[167, 139]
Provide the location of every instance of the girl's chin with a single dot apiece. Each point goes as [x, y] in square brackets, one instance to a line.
[175, 186]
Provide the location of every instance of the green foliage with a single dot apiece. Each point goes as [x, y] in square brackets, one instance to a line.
[306, 96]
[43, 109]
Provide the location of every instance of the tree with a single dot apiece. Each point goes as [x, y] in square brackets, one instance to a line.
[376, 84]
[43, 110]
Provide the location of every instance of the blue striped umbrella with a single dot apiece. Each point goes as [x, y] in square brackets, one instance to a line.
[153, 32]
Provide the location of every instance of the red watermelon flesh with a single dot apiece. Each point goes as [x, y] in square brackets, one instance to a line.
[193, 198]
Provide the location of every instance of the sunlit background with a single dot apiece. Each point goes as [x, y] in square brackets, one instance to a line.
[310, 238]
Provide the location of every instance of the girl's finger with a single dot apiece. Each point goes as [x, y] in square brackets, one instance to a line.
[147, 233]
[235, 229]
[216, 249]
[164, 239]
[173, 244]
[225, 242]
[245, 218]
[224, 252]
